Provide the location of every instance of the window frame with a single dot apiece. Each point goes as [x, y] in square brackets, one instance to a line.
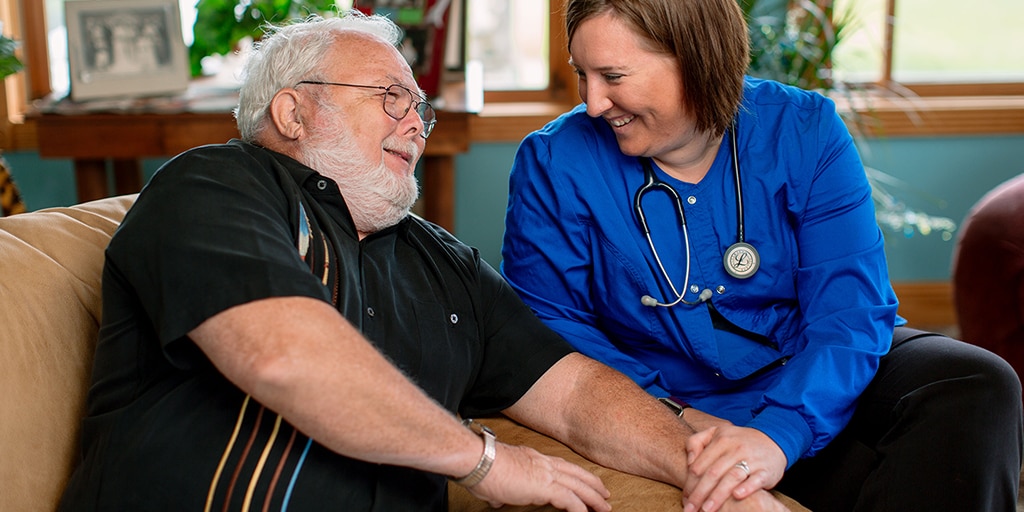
[936, 109]
[24, 21]
[931, 109]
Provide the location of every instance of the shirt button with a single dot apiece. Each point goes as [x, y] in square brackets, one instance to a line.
[321, 184]
[454, 319]
[694, 288]
[691, 200]
[720, 289]
[370, 311]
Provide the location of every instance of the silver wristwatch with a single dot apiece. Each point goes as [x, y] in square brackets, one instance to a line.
[486, 460]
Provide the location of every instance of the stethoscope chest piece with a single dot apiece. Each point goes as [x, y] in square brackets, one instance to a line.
[741, 260]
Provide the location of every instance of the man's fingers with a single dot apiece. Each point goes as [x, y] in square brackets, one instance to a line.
[523, 476]
[584, 485]
[584, 477]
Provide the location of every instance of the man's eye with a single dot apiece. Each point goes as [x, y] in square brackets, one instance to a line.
[612, 77]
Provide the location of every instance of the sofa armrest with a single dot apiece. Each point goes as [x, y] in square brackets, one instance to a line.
[628, 492]
[51, 264]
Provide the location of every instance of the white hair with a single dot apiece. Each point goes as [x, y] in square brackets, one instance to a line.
[290, 53]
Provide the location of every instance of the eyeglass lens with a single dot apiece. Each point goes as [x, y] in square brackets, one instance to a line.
[397, 102]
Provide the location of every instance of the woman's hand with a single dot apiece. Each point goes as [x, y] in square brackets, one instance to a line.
[729, 462]
[524, 476]
[700, 420]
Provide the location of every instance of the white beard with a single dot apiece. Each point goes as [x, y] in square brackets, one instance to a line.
[376, 196]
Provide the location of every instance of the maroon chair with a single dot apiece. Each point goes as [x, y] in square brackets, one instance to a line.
[988, 273]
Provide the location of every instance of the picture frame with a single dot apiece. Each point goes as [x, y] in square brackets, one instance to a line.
[125, 48]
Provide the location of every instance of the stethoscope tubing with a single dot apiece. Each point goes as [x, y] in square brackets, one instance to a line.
[652, 183]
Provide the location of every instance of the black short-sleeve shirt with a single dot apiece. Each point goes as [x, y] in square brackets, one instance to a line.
[223, 225]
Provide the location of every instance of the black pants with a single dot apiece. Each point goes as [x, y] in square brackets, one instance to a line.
[938, 429]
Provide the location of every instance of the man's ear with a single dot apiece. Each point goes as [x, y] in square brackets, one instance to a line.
[284, 113]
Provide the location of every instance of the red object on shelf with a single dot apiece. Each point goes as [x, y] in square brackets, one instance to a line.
[425, 23]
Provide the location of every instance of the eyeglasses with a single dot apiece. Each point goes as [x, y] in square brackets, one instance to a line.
[398, 99]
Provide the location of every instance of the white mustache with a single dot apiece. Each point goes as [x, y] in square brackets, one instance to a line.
[403, 146]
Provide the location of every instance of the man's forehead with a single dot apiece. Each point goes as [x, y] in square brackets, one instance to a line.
[373, 58]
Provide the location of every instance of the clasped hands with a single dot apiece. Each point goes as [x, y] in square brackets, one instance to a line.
[730, 468]
[523, 476]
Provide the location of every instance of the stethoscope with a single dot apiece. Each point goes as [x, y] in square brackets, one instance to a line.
[741, 259]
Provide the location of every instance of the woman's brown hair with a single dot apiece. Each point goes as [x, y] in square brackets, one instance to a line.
[708, 37]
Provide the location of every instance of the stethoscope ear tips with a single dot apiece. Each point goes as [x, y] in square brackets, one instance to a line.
[651, 302]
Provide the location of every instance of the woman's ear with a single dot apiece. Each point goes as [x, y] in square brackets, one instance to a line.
[284, 113]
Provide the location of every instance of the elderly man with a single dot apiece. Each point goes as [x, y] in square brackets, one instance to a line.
[279, 333]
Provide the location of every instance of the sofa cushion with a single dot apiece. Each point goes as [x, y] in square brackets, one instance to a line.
[50, 268]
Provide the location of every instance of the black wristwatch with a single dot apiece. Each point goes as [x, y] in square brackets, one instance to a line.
[677, 405]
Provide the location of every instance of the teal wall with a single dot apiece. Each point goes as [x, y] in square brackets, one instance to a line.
[945, 176]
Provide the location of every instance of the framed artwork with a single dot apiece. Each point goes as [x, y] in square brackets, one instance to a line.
[125, 48]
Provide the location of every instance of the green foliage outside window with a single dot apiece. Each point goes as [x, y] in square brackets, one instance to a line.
[9, 62]
[221, 24]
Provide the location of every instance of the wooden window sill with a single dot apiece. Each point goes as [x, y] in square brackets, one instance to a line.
[882, 117]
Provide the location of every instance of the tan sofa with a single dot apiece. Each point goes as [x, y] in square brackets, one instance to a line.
[50, 267]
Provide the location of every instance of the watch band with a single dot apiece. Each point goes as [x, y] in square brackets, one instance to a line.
[486, 460]
[677, 405]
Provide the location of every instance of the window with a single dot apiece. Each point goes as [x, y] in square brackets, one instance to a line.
[511, 46]
[962, 52]
[932, 42]
[520, 47]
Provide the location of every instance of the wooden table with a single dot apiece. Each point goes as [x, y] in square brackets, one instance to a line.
[92, 138]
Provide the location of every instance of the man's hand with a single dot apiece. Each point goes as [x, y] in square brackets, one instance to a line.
[730, 462]
[523, 476]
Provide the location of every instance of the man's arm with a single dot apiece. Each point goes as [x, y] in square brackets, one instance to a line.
[301, 358]
[606, 417]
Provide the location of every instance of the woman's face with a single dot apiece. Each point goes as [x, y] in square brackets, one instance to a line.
[638, 91]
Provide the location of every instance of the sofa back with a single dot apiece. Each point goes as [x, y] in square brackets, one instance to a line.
[50, 268]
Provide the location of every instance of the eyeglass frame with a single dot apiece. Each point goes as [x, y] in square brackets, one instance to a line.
[414, 103]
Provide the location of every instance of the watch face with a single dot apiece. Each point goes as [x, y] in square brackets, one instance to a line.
[741, 260]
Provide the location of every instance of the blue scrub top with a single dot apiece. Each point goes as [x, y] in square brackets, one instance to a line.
[809, 326]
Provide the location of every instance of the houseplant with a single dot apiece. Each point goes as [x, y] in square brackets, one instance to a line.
[221, 24]
[10, 197]
[9, 62]
[793, 42]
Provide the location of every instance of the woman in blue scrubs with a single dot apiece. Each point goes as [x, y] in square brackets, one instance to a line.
[712, 236]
